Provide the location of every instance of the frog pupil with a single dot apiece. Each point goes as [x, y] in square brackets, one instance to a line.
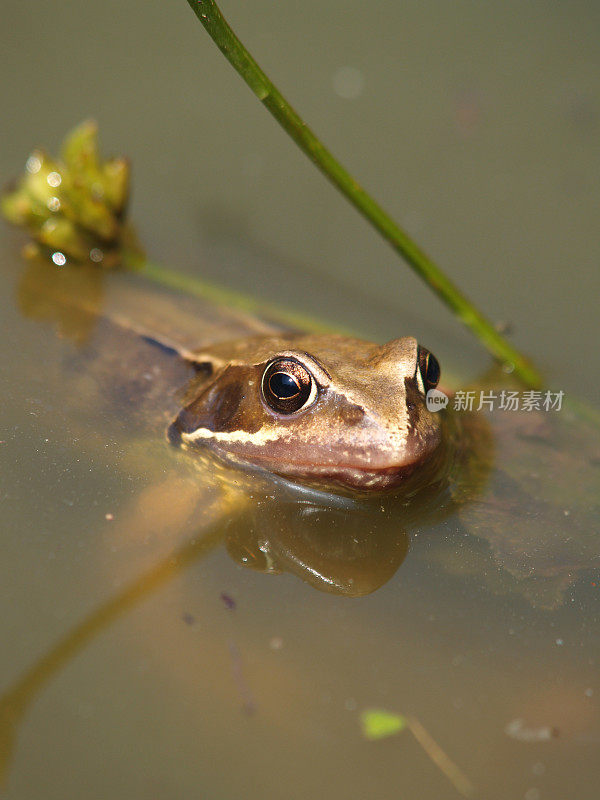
[283, 385]
[429, 369]
[287, 386]
[433, 371]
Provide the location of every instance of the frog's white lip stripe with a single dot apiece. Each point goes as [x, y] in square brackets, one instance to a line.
[259, 438]
[229, 436]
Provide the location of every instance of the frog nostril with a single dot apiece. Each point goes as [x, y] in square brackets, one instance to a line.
[352, 414]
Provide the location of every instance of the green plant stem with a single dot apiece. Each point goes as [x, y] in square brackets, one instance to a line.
[220, 295]
[211, 18]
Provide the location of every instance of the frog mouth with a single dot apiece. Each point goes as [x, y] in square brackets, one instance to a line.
[356, 478]
[349, 479]
[353, 478]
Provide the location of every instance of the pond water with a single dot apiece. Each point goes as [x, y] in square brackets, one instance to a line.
[148, 651]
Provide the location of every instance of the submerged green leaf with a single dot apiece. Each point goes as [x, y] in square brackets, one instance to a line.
[377, 723]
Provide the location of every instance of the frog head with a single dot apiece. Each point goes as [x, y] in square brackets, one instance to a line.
[330, 411]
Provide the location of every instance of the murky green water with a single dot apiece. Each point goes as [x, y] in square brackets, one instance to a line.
[142, 656]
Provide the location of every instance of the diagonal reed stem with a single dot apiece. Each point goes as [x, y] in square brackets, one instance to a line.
[232, 48]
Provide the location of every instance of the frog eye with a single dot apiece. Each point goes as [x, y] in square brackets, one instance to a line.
[429, 369]
[287, 386]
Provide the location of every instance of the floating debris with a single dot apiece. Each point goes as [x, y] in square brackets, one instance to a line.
[517, 729]
[228, 601]
[379, 724]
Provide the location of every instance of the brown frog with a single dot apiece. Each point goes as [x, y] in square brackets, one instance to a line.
[327, 410]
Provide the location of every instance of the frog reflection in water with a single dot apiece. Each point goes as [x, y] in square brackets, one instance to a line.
[330, 411]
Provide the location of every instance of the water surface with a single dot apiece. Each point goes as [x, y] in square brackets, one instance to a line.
[477, 126]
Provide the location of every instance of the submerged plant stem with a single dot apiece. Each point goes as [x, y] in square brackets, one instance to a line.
[220, 295]
[211, 18]
[460, 782]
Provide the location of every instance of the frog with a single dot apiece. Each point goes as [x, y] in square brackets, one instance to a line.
[310, 419]
[331, 411]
